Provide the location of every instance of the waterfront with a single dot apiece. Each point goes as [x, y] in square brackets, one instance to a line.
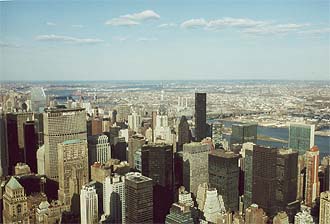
[323, 142]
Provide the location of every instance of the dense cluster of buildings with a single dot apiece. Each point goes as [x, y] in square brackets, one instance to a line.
[71, 163]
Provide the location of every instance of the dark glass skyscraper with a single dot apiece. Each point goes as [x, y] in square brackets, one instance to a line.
[30, 145]
[224, 176]
[157, 163]
[242, 133]
[200, 116]
[183, 133]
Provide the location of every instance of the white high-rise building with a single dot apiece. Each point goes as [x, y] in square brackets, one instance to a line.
[214, 205]
[114, 198]
[99, 149]
[303, 217]
[41, 160]
[88, 205]
[162, 131]
[134, 121]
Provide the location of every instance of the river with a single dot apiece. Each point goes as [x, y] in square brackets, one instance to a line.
[323, 142]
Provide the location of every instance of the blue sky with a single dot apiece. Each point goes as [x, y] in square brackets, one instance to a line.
[117, 40]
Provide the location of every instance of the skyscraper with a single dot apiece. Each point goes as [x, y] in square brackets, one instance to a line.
[88, 205]
[200, 116]
[114, 198]
[38, 99]
[134, 121]
[179, 214]
[15, 137]
[274, 178]
[254, 214]
[15, 203]
[183, 133]
[325, 207]
[3, 147]
[157, 163]
[224, 176]
[98, 149]
[301, 137]
[139, 199]
[195, 165]
[72, 169]
[242, 133]
[214, 205]
[30, 145]
[134, 143]
[312, 188]
[61, 125]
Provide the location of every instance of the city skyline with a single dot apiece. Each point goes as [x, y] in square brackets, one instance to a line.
[157, 41]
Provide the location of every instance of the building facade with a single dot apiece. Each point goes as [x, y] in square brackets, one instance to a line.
[61, 125]
[200, 116]
[15, 208]
[224, 176]
[324, 207]
[138, 198]
[88, 205]
[312, 185]
[301, 137]
[114, 198]
[195, 165]
[242, 133]
[72, 169]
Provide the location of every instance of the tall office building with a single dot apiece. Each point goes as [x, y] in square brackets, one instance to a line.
[61, 125]
[312, 186]
[214, 205]
[3, 147]
[274, 178]
[98, 149]
[179, 214]
[224, 176]
[139, 198]
[281, 218]
[114, 198]
[248, 173]
[242, 133]
[183, 133]
[195, 165]
[324, 207]
[38, 99]
[88, 205]
[254, 214]
[134, 143]
[119, 149]
[162, 131]
[286, 176]
[15, 137]
[301, 137]
[30, 145]
[134, 121]
[72, 169]
[200, 116]
[15, 208]
[157, 164]
[303, 217]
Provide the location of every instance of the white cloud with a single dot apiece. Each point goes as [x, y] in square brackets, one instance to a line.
[77, 26]
[167, 25]
[246, 25]
[221, 23]
[133, 19]
[275, 29]
[67, 39]
[141, 16]
[121, 22]
[50, 24]
[194, 23]
[9, 45]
